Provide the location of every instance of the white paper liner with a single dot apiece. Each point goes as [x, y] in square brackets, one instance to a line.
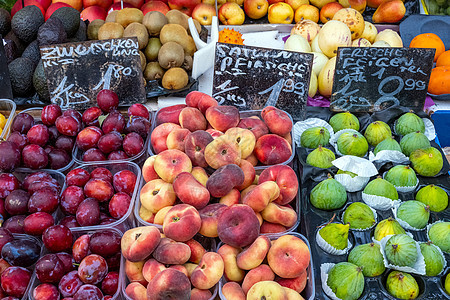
[352, 184]
[400, 221]
[378, 202]
[299, 127]
[358, 165]
[356, 229]
[430, 131]
[404, 189]
[428, 230]
[324, 269]
[333, 140]
[442, 254]
[389, 156]
[330, 249]
[419, 266]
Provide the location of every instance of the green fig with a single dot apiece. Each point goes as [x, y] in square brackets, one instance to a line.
[439, 234]
[352, 143]
[359, 216]
[328, 195]
[415, 213]
[376, 132]
[409, 122]
[382, 188]
[344, 120]
[315, 136]
[369, 258]
[413, 141]
[433, 196]
[427, 162]
[401, 175]
[353, 175]
[321, 158]
[346, 280]
[401, 250]
[402, 285]
[434, 260]
[387, 227]
[387, 144]
[447, 283]
[336, 235]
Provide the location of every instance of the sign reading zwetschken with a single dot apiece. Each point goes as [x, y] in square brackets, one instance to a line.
[76, 72]
[253, 77]
[370, 79]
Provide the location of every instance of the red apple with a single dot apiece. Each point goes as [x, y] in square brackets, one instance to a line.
[92, 13]
[53, 7]
[117, 6]
[105, 4]
[185, 6]
[134, 3]
[18, 6]
[155, 6]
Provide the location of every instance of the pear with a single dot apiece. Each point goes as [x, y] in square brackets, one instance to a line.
[389, 12]
[336, 235]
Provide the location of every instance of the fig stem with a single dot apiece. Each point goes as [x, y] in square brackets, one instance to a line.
[330, 221]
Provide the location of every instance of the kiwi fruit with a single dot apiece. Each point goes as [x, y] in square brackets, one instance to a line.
[138, 30]
[175, 78]
[127, 16]
[176, 33]
[171, 55]
[111, 17]
[154, 21]
[177, 17]
[153, 71]
[143, 60]
[187, 63]
[93, 27]
[110, 31]
[152, 49]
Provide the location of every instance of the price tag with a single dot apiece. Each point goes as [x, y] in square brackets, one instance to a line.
[369, 79]
[76, 72]
[253, 77]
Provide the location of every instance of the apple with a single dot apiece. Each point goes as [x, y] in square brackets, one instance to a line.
[155, 6]
[105, 4]
[92, 13]
[51, 9]
[134, 3]
[328, 10]
[231, 13]
[296, 3]
[256, 9]
[77, 4]
[185, 6]
[41, 4]
[280, 13]
[203, 13]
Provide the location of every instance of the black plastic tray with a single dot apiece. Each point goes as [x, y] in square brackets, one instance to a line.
[312, 218]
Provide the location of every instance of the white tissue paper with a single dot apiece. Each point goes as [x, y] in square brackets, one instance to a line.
[378, 202]
[389, 156]
[324, 269]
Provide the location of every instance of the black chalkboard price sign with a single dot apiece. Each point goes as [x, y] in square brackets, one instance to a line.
[253, 77]
[5, 82]
[369, 79]
[76, 72]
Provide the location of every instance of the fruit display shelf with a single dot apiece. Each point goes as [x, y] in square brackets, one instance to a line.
[139, 158]
[127, 220]
[35, 112]
[112, 261]
[313, 219]
[7, 109]
[308, 292]
[207, 243]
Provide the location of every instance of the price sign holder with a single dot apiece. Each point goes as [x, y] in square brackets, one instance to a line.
[253, 77]
[76, 72]
[370, 79]
[5, 82]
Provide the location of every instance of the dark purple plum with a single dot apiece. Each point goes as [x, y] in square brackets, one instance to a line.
[88, 292]
[34, 157]
[133, 144]
[65, 143]
[8, 183]
[37, 223]
[107, 100]
[10, 158]
[71, 198]
[93, 154]
[139, 125]
[105, 243]
[69, 284]
[113, 122]
[46, 200]
[19, 139]
[15, 224]
[110, 142]
[17, 202]
[22, 253]
[49, 269]
[38, 135]
[77, 177]
[117, 155]
[22, 123]
[110, 283]
[88, 212]
[58, 159]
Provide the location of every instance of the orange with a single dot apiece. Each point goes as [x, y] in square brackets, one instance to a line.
[443, 59]
[428, 40]
[439, 81]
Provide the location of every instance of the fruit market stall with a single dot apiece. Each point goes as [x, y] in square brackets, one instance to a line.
[229, 149]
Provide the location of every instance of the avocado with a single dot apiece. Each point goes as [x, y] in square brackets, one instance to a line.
[80, 36]
[21, 73]
[26, 22]
[52, 32]
[10, 50]
[40, 82]
[70, 17]
[20, 46]
[32, 52]
[5, 21]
